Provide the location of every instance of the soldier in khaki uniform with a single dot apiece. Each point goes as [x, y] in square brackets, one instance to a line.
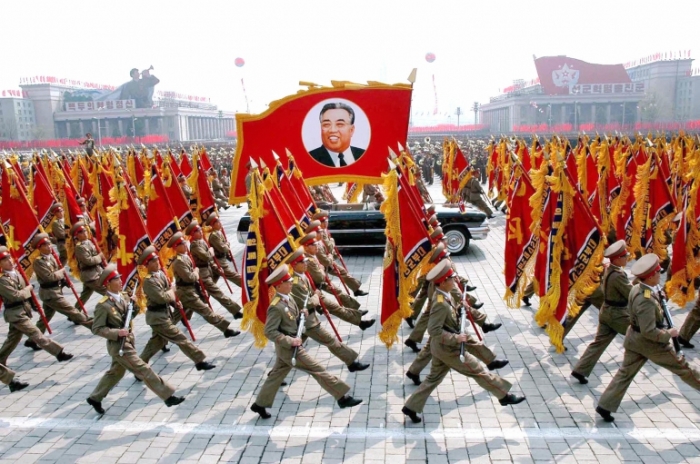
[446, 339]
[89, 262]
[220, 197]
[7, 376]
[614, 318]
[51, 277]
[349, 312]
[187, 283]
[327, 253]
[646, 339]
[222, 251]
[58, 233]
[186, 190]
[18, 313]
[473, 193]
[690, 326]
[301, 290]
[281, 328]
[204, 260]
[160, 298]
[85, 214]
[110, 318]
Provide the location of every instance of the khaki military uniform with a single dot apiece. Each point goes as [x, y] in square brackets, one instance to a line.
[473, 193]
[222, 251]
[692, 322]
[58, 231]
[205, 264]
[17, 312]
[281, 328]
[326, 256]
[90, 265]
[444, 329]
[319, 276]
[110, 316]
[646, 339]
[47, 273]
[6, 374]
[613, 319]
[218, 190]
[300, 290]
[158, 315]
[186, 289]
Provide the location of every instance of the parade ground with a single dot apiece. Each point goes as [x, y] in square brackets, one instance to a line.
[51, 422]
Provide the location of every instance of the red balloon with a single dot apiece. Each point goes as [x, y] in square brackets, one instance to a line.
[430, 57]
[239, 62]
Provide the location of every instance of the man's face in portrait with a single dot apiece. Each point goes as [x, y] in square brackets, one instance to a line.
[336, 130]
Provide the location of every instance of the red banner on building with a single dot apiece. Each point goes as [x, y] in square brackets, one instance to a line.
[558, 74]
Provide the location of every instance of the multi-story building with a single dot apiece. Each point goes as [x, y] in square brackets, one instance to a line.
[17, 119]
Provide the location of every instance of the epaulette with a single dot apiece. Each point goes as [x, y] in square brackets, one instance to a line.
[149, 275]
[181, 257]
[295, 279]
[104, 299]
[440, 298]
[647, 293]
[275, 301]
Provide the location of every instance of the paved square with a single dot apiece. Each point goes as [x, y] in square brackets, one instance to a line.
[50, 421]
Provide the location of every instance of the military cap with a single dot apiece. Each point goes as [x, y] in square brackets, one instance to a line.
[80, 201]
[646, 266]
[192, 227]
[616, 250]
[439, 252]
[176, 239]
[430, 209]
[77, 228]
[308, 239]
[433, 220]
[40, 239]
[320, 215]
[55, 208]
[441, 272]
[4, 253]
[297, 256]
[109, 273]
[437, 234]
[278, 276]
[677, 217]
[213, 217]
[313, 226]
[181, 178]
[148, 254]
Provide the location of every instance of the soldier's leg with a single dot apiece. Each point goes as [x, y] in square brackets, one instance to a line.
[108, 381]
[49, 312]
[419, 330]
[422, 360]
[153, 346]
[494, 384]
[338, 349]
[6, 374]
[570, 322]
[418, 303]
[345, 299]
[192, 302]
[216, 293]
[62, 306]
[131, 361]
[417, 400]
[332, 384]
[666, 357]
[353, 316]
[266, 395]
[603, 337]
[691, 324]
[478, 316]
[62, 254]
[170, 333]
[339, 271]
[14, 336]
[481, 204]
[30, 330]
[613, 394]
[88, 289]
[480, 351]
[229, 272]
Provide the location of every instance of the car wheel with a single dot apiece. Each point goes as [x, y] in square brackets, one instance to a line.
[457, 241]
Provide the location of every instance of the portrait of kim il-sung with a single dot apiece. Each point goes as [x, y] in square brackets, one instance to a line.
[344, 134]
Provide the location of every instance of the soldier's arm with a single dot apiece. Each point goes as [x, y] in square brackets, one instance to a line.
[324, 259]
[155, 293]
[272, 324]
[438, 314]
[10, 294]
[201, 253]
[646, 318]
[622, 285]
[99, 324]
[183, 271]
[58, 230]
[315, 272]
[44, 273]
[298, 294]
[83, 256]
[218, 243]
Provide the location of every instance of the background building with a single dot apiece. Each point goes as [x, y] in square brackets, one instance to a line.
[17, 119]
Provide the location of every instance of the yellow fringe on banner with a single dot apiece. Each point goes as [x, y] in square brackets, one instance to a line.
[641, 209]
[539, 183]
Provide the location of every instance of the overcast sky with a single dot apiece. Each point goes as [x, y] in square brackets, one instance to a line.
[480, 46]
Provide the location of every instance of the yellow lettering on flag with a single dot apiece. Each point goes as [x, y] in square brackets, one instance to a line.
[12, 243]
[515, 230]
[123, 255]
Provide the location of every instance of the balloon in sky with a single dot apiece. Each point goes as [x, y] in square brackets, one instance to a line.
[430, 57]
[239, 62]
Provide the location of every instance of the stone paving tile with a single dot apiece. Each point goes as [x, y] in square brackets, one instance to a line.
[50, 421]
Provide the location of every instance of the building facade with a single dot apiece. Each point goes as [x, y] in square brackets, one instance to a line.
[17, 119]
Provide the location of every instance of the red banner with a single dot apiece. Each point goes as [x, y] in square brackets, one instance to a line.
[559, 73]
[317, 125]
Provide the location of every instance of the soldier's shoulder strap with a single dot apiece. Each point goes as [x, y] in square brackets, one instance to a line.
[104, 299]
[647, 293]
[275, 301]
[440, 298]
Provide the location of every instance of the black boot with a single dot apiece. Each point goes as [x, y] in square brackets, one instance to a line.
[511, 399]
[357, 366]
[412, 345]
[490, 327]
[364, 312]
[580, 377]
[96, 405]
[228, 333]
[238, 315]
[32, 344]
[414, 377]
[412, 415]
[174, 400]
[366, 324]
[605, 414]
[409, 321]
[360, 292]
[526, 301]
[470, 288]
[204, 366]
[348, 401]
[478, 305]
[165, 349]
[260, 411]
[497, 364]
[685, 343]
[16, 385]
[63, 356]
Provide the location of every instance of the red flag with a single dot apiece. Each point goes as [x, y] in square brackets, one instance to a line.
[162, 221]
[185, 166]
[296, 179]
[202, 195]
[684, 265]
[42, 197]
[361, 120]
[204, 159]
[660, 213]
[275, 204]
[19, 222]
[288, 195]
[178, 202]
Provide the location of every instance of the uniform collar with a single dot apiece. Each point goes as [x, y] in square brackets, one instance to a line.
[116, 296]
[445, 294]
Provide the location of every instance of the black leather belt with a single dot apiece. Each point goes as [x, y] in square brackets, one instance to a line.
[447, 329]
[50, 284]
[85, 268]
[185, 284]
[158, 308]
[16, 304]
[615, 303]
[203, 266]
[221, 255]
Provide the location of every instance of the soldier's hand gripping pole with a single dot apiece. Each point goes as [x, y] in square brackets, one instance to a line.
[218, 265]
[300, 329]
[230, 255]
[468, 309]
[462, 331]
[202, 288]
[669, 321]
[178, 305]
[127, 325]
[325, 310]
[70, 284]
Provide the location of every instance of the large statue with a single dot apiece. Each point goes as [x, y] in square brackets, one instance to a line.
[140, 88]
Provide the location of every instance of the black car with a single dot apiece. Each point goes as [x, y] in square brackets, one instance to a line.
[352, 226]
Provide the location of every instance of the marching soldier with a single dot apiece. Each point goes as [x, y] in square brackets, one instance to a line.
[220, 197]
[16, 297]
[110, 319]
[301, 289]
[89, 262]
[58, 232]
[281, 328]
[646, 339]
[473, 192]
[326, 255]
[51, 277]
[444, 330]
[614, 317]
[85, 214]
[181, 179]
[222, 250]
[7, 376]
[137, 201]
[187, 284]
[204, 260]
[349, 311]
[160, 297]
[690, 326]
